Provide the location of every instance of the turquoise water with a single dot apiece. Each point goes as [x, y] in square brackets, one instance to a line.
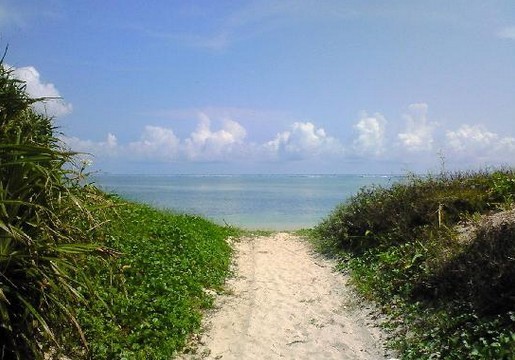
[273, 202]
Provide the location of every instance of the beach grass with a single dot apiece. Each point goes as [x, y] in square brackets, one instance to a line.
[44, 230]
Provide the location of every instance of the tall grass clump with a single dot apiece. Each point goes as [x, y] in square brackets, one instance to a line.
[43, 230]
[438, 253]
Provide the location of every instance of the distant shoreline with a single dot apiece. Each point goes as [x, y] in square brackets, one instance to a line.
[277, 202]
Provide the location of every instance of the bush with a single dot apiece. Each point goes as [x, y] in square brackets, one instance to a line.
[481, 274]
[379, 216]
[449, 290]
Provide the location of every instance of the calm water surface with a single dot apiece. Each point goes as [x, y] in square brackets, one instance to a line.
[275, 202]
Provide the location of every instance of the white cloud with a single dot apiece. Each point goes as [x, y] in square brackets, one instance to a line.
[476, 142]
[303, 140]
[371, 135]
[88, 146]
[155, 143]
[54, 106]
[507, 33]
[470, 136]
[205, 144]
[90, 149]
[418, 135]
[304, 143]
[161, 144]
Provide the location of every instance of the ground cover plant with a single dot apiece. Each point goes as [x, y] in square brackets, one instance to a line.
[167, 268]
[438, 254]
[85, 274]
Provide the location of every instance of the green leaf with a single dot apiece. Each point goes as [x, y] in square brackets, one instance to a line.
[38, 317]
[76, 248]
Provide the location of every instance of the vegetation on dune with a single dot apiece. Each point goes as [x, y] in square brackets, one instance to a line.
[43, 230]
[438, 254]
[92, 276]
[83, 273]
[151, 295]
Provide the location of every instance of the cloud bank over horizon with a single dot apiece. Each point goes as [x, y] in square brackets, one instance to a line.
[219, 139]
[227, 141]
[272, 87]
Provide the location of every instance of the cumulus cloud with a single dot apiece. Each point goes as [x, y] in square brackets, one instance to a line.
[161, 144]
[477, 142]
[225, 140]
[88, 149]
[371, 135]
[156, 143]
[205, 144]
[418, 135]
[507, 33]
[466, 136]
[36, 88]
[110, 143]
[303, 140]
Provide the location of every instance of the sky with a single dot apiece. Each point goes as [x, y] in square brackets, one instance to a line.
[216, 87]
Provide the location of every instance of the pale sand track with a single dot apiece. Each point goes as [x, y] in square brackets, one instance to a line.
[285, 302]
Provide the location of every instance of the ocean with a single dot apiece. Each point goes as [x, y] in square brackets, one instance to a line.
[267, 202]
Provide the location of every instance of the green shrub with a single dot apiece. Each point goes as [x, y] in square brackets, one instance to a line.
[481, 274]
[503, 185]
[448, 295]
[380, 216]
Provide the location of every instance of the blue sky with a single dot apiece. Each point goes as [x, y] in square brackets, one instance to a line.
[272, 86]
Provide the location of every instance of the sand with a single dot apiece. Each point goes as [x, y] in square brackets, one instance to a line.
[286, 302]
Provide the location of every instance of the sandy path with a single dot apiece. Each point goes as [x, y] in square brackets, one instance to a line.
[286, 303]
